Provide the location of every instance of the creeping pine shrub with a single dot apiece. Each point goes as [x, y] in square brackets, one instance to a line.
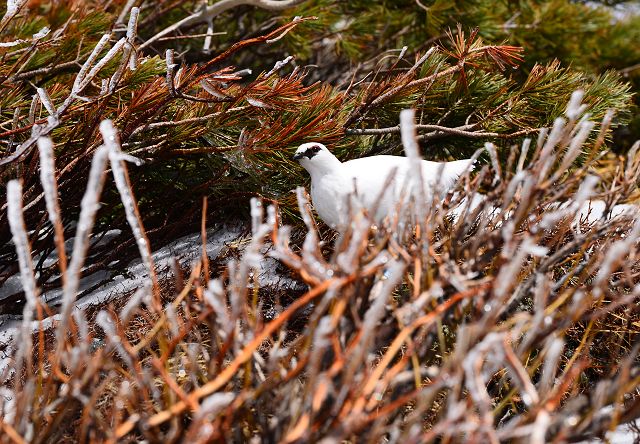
[509, 313]
[216, 111]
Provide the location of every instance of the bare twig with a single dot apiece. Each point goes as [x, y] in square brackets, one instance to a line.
[44, 71]
[27, 275]
[440, 131]
[125, 11]
[201, 119]
[207, 14]
[50, 187]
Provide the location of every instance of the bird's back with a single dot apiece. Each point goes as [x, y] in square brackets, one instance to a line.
[370, 175]
[380, 183]
[452, 170]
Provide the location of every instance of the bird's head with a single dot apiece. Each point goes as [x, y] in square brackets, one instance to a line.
[315, 158]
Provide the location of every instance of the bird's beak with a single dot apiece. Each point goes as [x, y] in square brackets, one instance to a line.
[298, 156]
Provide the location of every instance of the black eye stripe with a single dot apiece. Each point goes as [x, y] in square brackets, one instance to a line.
[312, 151]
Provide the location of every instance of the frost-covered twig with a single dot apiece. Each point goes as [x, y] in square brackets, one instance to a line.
[48, 104]
[129, 56]
[85, 76]
[37, 36]
[575, 107]
[279, 65]
[24, 354]
[50, 187]
[81, 77]
[88, 209]
[110, 55]
[13, 8]
[417, 182]
[21, 242]
[121, 177]
[208, 39]
[170, 67]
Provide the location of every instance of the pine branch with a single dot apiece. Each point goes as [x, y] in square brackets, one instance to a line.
[467, 53]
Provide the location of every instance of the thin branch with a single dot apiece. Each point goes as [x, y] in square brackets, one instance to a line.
[125, 11]
[186, 121]
[47, 70]
[393, 91]
[438, 131]
[207, 14]
[13, 8]
[478, 135]
[191, 36]
[88, 209]
[123, 184]
[629, 69]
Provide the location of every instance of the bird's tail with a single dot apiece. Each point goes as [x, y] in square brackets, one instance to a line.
[453, 170]
[458, 167]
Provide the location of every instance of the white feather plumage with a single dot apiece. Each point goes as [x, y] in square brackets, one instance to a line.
[384, 180]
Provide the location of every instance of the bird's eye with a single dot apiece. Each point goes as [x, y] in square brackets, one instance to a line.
[315, 149]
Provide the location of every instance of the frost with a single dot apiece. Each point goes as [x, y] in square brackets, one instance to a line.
[279, 65]
[120, 176]
[257, 103]
[575, 108]
[88, 209]
[42, 33]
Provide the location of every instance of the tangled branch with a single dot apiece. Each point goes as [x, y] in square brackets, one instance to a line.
[208, 13]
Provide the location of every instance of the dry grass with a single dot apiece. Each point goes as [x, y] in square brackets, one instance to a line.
[512, 320]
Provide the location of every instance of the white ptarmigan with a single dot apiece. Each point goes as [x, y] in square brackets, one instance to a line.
[333, 182]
